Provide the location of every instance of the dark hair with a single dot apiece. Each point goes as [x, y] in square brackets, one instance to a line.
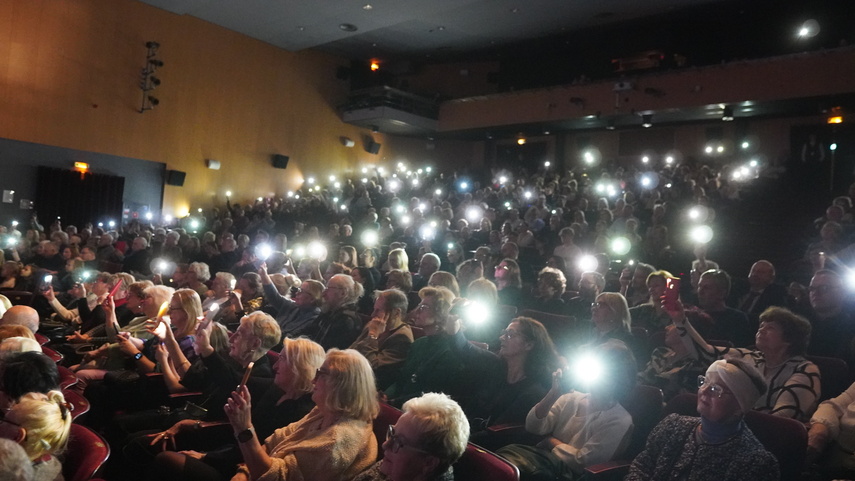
[367, 279]
[254, 281]
[795, 329]
[721, 279]
[29, 372]
[542, 359]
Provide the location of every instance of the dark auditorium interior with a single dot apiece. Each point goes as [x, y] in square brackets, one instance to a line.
[498, 200]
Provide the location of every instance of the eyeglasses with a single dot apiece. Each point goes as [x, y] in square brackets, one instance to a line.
[597, 305]
[395, 443]
[424, 307]
[174, 308]
[822, 289]
[715, 389]
[321, 372]
[509, 334]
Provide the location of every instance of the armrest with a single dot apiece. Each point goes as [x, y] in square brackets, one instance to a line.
[505, 428]
[611, 470]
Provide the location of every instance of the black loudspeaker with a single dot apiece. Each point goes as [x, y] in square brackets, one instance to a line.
[280, 161]
[372, 147]
[175, 177]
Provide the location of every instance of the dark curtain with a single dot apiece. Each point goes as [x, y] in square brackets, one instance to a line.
[78, 198]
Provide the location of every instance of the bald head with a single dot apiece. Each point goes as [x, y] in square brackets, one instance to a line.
[761, 276]
[21, 316]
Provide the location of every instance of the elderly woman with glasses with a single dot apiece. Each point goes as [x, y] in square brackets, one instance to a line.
[334, 441]
[426, 441]
[718, 445]
[781, 340]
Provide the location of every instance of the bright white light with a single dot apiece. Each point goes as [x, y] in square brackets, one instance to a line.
[744, 171]
[695, 213]
[850, 278]
[365, 170]
[394, 185]
[15, 223]
[420, 171]
[228, 193]
[100, 224]
[401, 166]
[332, 178]
[337, 185]
[297, 196]
[745, 145]
[369, 238]
[611, 191]
[601, 188]
[167, 218]
[833, 147]
[405, 220]
[473, 214]
[290, 193]
[335, 199]
[475, 313]
[422, 207]
[589, 157]
[343, 207]
[587, 369]
[199, 210]
[464, 185]
[547, 163]
[438, 192]
[427, 232]
[701, 234]
[753, 163]
[503, 180]
[708, 149]
[645, 181]
[364, 180]
[415, 182]
[719, 149]
[433, 223]
[194, 224]
[381, 170]
[527, 195]
[311, 180]
[803, 32]
[316, 250]
[621, 246]
[112, 223]
[400, 209]
[668, 185]
[645, 159]
[263, 251]
[259, 199]
[737, 175]
[428, 169]
[669, 160]
[588, 263]
[148, 216]
[300, 252]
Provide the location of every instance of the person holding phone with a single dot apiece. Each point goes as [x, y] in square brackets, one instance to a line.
[651, 315]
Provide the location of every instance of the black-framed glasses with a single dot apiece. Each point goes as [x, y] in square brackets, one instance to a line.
[715, 389]
[395, 443]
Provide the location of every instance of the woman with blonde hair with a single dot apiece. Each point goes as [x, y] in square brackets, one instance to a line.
[40, 423]
[444, 279]
[398, 259]
[334, 441]
[288, 400]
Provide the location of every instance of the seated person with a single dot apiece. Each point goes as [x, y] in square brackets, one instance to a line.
[386, 339]
[834, 423]
[40, 423]
[718, 445]
[650, 315]
[24, 373]
[529, 358]
[783, 337]
[423, 445]
[582, 428]
[672, 368]
[546, 295]
[287, 401]
[297, 314]
[334, 441]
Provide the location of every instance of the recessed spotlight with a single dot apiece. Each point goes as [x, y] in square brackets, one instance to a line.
[440, 28]
[367, 6]
[301, 28]
[348, 27]
[515, 10]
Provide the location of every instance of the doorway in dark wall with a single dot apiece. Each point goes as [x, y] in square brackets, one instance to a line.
[529, 156]
[77, 198]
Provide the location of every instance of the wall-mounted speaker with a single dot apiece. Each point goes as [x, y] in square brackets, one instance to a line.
[212, 164]
[175, 177]
[280, 161]
[372, 147]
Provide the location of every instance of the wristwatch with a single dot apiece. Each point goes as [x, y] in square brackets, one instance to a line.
[138, 355]
[245, 435]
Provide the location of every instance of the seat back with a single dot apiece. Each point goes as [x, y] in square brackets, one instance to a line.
[79, 404]
[55, 356]
[645, 405]
[478, 463]
[41, 339]
[785, 438]
[87, 451]
[834, 373]
[388, 416]
[67, 378]
[19, 298]
[564, 330]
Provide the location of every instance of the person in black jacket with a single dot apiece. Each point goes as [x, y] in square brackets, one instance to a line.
[338, 325]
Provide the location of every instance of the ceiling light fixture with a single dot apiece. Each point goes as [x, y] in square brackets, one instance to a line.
[647, 121]
[348, 27]
[367, 6]
[727, 114]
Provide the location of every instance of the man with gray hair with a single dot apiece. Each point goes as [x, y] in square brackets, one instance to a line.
[428, 264]
[591, 285]
[338, 325]
[386, 339]
[138, 258]
[22, 316]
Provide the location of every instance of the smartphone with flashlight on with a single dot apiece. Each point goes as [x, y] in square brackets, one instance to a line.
[46, 283]
[672, 294]
[246, 374]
